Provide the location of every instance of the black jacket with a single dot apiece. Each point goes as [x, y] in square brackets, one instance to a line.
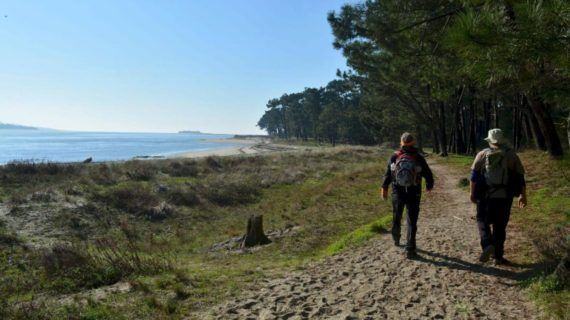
[425, 173]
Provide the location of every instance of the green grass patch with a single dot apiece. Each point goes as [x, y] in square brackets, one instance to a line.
[550, 294]
[456, 160]
[360, 235]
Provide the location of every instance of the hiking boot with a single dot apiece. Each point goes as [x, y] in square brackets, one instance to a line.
[502, 262]
[411, 254]
[397, 242]
[487, 252]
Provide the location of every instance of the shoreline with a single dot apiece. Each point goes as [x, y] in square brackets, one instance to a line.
[246, 147]
[241, 146]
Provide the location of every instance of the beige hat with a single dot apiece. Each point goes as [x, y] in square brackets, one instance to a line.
[495, 136]
[407, 139]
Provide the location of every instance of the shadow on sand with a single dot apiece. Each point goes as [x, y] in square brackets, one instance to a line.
[513, 271]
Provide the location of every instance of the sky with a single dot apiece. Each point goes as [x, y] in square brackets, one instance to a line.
[159, 66]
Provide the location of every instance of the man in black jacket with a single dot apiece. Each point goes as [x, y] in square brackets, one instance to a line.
[405, 171]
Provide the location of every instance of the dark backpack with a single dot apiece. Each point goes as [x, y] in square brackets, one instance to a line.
[405, 170]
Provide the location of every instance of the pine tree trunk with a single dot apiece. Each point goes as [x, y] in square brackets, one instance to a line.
[442, 128]
[487, 116]
[515, 129]
[547, 127]
[254, 235]
[495, 115]
[435, 138]
[452, 145]
[459, 146]
[568, 128]
[526, 129]
[472, 130]
[537, 135]
[419, 138]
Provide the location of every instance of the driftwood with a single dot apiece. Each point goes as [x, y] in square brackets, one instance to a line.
[254, 235]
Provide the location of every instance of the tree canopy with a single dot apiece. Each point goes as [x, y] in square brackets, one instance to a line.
[448, 70]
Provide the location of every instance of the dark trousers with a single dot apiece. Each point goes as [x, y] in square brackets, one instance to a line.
[410, 199]
[495, 213]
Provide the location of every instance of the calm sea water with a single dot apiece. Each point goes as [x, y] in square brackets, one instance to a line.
[64, 146]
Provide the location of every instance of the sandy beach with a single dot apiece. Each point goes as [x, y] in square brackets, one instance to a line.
[243, 147]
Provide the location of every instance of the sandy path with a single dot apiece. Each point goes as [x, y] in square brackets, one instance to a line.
[377, 281]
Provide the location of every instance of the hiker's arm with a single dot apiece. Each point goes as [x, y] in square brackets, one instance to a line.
[476, 177]
[429, 178]
[519, 173]
[473, 186]
[522, 198]
[427, 174]
[387, 179]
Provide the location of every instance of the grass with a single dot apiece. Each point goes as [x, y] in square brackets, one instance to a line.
[99, 221]
[360, 235]
[547, 221]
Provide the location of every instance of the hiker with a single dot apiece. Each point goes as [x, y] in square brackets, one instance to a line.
[497, 176]
[406, 168]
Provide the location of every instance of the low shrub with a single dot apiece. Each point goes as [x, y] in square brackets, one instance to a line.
[184, 196]
[187, 168]
[18, 198]
[93, 211]
[44, 196]
[140, 170]
[71, 268]
[128, 258]
[227, 190]
[72, 190]
[31, 167]
[103, 174]
[463, 182]
[181, 292]
[71, 221]
[160, 212]
[131, 197]
[7, 238]
[214, 163]
[555, 251]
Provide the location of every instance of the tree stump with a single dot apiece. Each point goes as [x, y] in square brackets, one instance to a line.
[254, 235]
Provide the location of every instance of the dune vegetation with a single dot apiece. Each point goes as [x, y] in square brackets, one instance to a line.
[152, 239]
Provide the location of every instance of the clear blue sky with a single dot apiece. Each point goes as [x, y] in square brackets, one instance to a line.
[153, 66]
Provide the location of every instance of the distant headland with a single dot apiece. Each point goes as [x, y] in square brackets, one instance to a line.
[15, 126]
[191, 131]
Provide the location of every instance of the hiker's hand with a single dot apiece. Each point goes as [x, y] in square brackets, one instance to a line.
[522, 202]
[384, 193]
[473, 198]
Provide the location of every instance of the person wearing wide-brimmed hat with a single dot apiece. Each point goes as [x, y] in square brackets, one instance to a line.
[405, 171]
[497, 176]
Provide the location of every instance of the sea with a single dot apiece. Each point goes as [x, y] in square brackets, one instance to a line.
[44, 145]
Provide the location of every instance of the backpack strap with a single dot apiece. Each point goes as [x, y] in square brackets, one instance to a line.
[401, 153]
